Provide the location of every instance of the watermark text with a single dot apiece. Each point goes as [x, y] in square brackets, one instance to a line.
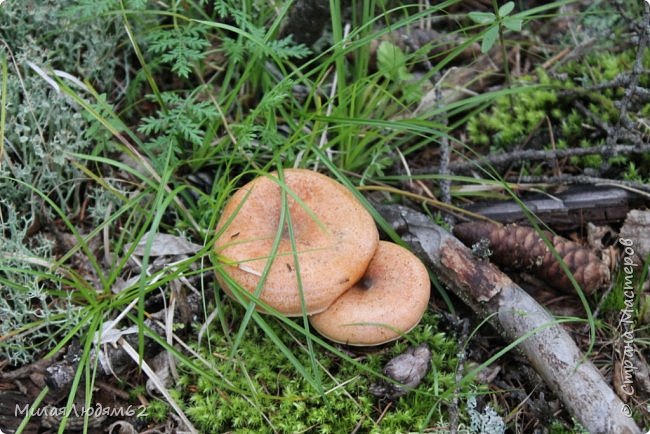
[97, 410]
[627, 322]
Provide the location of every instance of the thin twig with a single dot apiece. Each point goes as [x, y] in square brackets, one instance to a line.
[580, 179]
[445, 155]
[460, 368]
[637, 69]
[622, 79]
[624, 132]
[445, 149]
[543, 154]
[608, 129]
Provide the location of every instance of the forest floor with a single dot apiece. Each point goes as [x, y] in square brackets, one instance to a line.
[125, 127]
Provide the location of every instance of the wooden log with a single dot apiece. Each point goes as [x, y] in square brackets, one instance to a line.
[567, 210]
[516, 315]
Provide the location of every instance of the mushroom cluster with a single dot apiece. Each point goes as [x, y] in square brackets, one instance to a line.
[304, 243]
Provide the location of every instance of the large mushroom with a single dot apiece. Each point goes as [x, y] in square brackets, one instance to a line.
[386, 303]
[335, 239]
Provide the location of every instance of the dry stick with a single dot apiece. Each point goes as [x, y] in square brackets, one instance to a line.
[445, 149]
[637, 69]
[544, 154]
[637, 187]
[518, 318]
[642, 93]
[596, 120]
[622, 79]
[623, 124]
[623, 133]
[637, 146]
[445, 155]
[460, 367]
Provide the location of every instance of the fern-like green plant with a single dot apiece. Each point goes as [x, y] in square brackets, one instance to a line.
[182, 47]
[181, 126]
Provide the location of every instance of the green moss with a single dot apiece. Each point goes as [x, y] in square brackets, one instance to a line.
[632, 174]
[157, 411]
[559, 428]
[266, 392]
[616, 299]
[504, 124]
[512, 121]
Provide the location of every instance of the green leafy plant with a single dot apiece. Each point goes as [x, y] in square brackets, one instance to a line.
[392, 64]
[181, 46]
[184, 125]
[497, 22]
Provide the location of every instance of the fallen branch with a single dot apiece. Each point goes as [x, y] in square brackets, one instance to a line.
[565, 210]
[517, 316]
[500, 160]
[637, 69]
[636, 187]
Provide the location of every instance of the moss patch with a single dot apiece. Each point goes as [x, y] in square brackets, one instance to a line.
[266, 392]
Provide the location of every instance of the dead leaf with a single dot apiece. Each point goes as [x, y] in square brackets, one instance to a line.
[165, 245]
[637, 229]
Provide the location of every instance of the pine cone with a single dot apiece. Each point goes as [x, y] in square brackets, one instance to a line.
[521, 248]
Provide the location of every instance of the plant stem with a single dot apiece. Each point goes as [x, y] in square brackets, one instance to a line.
[504, 53]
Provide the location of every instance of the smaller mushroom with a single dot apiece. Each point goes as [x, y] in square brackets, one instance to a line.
[386, 303]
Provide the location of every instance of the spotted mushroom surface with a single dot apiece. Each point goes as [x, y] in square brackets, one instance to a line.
[387, 302]
[334, 234]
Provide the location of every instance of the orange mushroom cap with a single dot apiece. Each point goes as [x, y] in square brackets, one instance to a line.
[335, 239]
[387, 302]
